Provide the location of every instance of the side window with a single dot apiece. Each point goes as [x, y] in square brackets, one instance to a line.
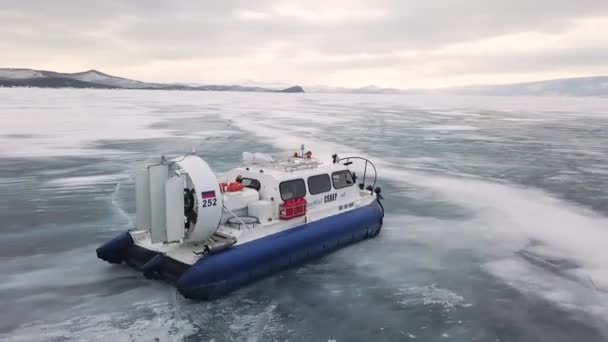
[342, 179]
[291, 189]
[251, 183]
[318, 184]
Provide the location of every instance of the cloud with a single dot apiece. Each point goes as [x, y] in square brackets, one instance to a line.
[406, 43]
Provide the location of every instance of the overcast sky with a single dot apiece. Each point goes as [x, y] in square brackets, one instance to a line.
[405, 44]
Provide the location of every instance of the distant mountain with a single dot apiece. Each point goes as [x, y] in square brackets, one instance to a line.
[371, 89]
[581, 86]
[269, 85]
[294, 89]
[96, 79]
[50, 82]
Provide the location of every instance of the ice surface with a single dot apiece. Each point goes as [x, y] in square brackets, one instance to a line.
[63, 124]
[468, 182]
[85, 181]
[449, 128]
[505, 214]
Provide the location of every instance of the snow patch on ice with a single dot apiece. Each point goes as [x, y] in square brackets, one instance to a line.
[85, 181]
[111, 326]
[448, 128]
[430, 295]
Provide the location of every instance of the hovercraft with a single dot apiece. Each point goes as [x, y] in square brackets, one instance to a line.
[211, 235]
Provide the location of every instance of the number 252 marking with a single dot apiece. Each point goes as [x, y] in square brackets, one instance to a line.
[212, 202]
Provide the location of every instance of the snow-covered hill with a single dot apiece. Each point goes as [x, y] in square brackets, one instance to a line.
[98, 79]
[14, 77]
[581, 86]
[15, 74]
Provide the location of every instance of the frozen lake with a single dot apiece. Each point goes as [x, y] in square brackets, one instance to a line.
[472, 186]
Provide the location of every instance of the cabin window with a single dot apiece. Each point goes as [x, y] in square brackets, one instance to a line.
[251, 183]
[342, 179]
[318, 184]
[291, 189]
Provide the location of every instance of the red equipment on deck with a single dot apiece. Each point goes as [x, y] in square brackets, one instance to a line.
[231, 187]
[293, 208]
[235, 186]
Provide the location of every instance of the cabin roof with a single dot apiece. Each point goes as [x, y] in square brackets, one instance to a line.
[291, 168]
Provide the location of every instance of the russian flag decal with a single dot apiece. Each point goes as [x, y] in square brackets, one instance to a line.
[208, 194]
